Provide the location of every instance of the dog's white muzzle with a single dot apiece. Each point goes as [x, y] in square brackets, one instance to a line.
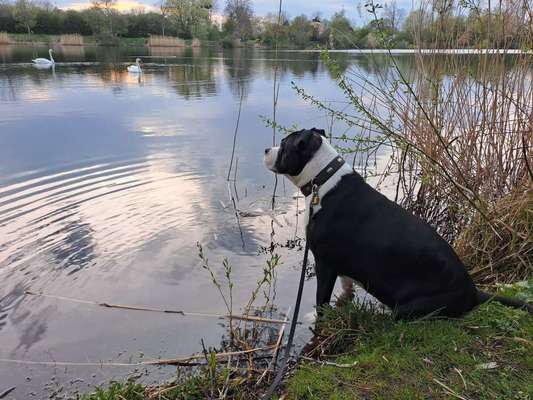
[271, 155]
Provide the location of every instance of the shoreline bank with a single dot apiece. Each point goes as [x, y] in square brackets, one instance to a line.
[483, 355]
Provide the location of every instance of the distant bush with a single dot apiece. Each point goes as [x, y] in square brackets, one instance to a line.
[105, 39]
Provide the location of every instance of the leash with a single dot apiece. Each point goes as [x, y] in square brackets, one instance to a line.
[279, 376]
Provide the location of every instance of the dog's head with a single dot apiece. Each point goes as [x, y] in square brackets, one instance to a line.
[294, 152]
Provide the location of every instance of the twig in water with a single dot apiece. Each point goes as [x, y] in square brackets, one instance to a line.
[197, 356]
[170, 361]
[158, 310]
[7, 391]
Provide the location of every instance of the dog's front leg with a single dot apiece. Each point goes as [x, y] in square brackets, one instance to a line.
[325, 282]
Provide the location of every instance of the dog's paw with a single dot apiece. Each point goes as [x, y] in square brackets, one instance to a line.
[344, 298]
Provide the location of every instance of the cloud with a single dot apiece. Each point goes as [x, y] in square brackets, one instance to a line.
[354, 8]
[121, 5]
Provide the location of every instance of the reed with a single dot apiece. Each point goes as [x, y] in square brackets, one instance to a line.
[470, 120]
[261, 343]
[4, 38]
[196, 43]
[460, 137]
[71, 40]
[165, 41]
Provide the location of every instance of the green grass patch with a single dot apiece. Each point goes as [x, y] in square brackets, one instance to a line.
[117, 390]
[488, 354]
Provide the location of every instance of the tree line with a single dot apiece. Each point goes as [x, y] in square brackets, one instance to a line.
[443, 24]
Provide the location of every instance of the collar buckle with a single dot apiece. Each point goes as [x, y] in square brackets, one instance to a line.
[315, 200]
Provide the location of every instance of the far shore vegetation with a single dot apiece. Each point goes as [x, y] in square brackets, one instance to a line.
[234, 23]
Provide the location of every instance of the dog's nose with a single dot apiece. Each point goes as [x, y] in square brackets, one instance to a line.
[267, 151]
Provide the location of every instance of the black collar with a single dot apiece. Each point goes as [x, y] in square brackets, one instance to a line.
[323, 176]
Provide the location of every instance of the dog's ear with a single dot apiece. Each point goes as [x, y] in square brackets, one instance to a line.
[307, 141]
[319, 131]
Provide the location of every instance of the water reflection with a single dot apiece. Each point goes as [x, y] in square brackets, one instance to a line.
[72, 53]
[9, 302]
[239, 69]
[193, 72]
[76, 249]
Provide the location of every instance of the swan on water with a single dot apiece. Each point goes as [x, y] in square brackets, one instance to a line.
[45, 61]
[136, 69]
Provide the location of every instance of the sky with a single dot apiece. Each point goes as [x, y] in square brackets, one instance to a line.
[354, 8]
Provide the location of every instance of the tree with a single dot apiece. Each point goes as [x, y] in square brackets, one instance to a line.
[96, 20]
[393, 15]
[25, 13]
[49, 19]
[75, 23]
[188, 13]
[341, 32]
[240, 14]
[300, 31]
[107, 7]
[275, 32]
[7, 22]
[165, 11]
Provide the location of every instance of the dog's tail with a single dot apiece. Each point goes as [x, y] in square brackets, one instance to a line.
[483, 297]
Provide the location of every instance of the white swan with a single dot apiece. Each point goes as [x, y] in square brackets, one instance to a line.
[45, 61]
[136, 69]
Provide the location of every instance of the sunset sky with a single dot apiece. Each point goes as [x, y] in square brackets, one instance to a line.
[261, 7]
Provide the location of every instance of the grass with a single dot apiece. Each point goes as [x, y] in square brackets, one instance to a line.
[485, 355]
[116, 390]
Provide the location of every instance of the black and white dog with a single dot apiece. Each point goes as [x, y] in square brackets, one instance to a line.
[357, 233]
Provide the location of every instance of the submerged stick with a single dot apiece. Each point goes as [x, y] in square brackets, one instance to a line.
[159, 310]
[170, 361]
[175, 361]
[7, 391]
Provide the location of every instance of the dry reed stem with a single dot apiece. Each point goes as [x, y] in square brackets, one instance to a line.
[4, 38]
[461, 133]
[71, 40]
[158, 310]
[171, 361]
[276, 350]
[165, 41]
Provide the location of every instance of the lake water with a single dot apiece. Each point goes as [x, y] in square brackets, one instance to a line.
[107, 182]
